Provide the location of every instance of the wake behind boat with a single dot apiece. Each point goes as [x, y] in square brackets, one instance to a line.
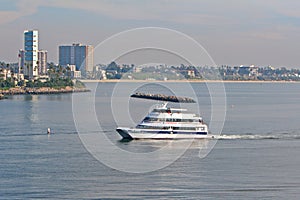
[164, 122]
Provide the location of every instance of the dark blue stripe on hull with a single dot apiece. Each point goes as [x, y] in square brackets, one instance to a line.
[176, 132]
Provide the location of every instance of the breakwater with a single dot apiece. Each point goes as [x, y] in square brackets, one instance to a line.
[162, 97]
[42, 90]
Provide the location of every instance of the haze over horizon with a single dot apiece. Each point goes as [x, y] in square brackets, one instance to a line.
[233, 32]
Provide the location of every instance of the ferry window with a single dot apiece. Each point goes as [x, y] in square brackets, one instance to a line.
[147, 119]
[184, 128]
[159, 111]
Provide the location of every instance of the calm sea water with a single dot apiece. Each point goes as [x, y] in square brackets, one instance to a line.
[257, 155]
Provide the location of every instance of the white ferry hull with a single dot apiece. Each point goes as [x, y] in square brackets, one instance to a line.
[132, 133]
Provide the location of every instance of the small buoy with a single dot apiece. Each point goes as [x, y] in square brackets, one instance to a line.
[48, 131]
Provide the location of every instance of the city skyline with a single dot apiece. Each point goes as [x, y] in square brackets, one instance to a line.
[233, 32]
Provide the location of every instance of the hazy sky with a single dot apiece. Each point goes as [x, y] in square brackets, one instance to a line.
[261, 32]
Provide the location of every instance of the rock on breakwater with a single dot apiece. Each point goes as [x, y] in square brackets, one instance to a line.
[42, 90]
[162, 97]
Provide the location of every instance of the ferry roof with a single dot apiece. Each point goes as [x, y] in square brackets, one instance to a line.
[171, 109]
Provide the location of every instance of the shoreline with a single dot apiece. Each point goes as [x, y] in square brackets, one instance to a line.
[180, 81]
[42, 90]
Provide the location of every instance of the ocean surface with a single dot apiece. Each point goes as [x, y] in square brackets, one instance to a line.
[256, 155]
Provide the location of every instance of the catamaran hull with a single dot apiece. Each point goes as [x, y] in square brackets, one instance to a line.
[128, 133]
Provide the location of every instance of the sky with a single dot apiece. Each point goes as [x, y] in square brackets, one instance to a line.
[233, 32]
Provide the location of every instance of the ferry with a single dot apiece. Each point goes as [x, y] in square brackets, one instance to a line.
[164, 122]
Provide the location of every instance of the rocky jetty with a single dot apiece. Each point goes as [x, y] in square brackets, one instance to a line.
[41, 90]
[162, 97]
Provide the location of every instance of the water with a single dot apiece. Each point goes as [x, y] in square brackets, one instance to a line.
[256, 157]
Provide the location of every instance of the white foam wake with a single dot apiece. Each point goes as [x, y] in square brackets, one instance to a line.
[255, 137]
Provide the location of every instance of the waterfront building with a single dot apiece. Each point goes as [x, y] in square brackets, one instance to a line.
[31, 53]
[42, 62]
[82, 56]
[5, 74]
[73, 73]
[72, 67]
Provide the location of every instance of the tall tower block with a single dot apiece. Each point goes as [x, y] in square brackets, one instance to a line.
[31, 46]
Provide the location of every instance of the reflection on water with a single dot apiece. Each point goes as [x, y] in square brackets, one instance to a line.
[33, 108]
[148, 145]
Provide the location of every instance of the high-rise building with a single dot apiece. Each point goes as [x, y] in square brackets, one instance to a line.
[82, 56]
[42, 62]
[31, 47]
[89, 58]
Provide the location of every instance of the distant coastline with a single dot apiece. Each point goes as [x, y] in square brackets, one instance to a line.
[182, 81]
